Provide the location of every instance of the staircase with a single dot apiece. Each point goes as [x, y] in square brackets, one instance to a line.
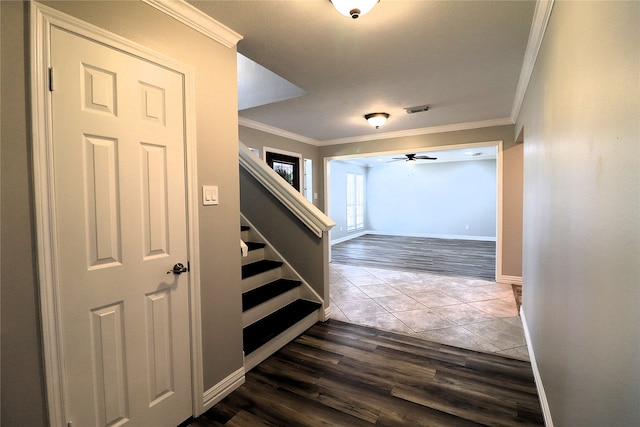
[277, 305]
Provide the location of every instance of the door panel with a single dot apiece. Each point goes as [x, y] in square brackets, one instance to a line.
[119, 170]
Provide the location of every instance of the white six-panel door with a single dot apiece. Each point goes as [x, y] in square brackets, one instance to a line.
[119, 191]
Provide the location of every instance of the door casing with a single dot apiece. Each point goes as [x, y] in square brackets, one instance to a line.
[42, 19]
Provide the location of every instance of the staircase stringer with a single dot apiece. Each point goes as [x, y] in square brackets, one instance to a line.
[288, 272]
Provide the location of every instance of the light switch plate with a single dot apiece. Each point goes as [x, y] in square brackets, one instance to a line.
[209, 195]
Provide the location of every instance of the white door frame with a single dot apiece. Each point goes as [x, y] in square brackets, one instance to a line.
[499, 186]
[42, 19]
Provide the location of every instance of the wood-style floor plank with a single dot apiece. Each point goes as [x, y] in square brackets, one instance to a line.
[469, 258]
[340, 374]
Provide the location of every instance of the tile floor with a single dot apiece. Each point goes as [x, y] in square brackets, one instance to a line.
[464, 312]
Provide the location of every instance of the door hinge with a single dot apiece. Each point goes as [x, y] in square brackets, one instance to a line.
[50, 79]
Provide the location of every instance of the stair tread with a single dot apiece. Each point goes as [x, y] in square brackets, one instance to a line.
[254, 245]
[244, 228]
[262, 331]
[258, 267]
[266, 292]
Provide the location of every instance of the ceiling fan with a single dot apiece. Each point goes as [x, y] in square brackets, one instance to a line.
[413, 158]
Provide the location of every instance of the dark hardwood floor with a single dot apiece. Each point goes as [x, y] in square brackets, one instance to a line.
[339, 374]
[472, 258]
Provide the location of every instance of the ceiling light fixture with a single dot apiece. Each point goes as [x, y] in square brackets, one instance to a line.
[353, 8]
[376, 119]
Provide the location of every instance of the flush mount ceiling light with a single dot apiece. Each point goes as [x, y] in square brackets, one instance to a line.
[376, 119]
[353, 8]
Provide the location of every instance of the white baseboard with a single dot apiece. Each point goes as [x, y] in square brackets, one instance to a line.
[327, 313]
[516, 280]
[546, 412]
[349, 237]
[221, 390]
[427, 235]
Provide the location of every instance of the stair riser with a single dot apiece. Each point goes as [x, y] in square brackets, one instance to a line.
[261, 279]
[260, 354]
[268, 307]
[245, 235]
[253, 256]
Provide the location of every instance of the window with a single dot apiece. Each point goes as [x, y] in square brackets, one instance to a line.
[288, 167]
[355, 201]
[308, 182]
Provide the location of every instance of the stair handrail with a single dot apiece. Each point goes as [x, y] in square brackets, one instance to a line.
[304, 210]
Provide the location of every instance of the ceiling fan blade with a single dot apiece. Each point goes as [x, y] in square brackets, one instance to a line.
[426, 158]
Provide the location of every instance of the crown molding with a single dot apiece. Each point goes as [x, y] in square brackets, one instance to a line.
[421, 131]
[373, 137]
[277, 131]
[541, 17]
[197, 20]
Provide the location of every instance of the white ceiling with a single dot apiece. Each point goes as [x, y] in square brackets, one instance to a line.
[462, 58]
[442, 156]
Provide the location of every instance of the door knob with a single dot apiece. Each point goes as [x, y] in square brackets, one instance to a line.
[178, 269]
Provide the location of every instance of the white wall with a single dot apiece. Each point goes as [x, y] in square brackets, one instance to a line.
[428, 199]
[433, 199]
[581, 254]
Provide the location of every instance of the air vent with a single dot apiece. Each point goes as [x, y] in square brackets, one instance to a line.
[417, 109]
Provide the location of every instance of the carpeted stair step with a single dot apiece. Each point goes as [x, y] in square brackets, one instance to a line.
[244, 228]
[264, 293]
[258, 267]
[264, 330]
[254, 245]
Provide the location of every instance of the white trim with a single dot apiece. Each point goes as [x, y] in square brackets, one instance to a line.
[515, 280]
[421, 131]
[45, 218]
[499, 208]
[327, 313]
[546, 411]
[196, 19]
[307, 290]
[42, 18]
[541, 17]
[252, 124]
[432, 236]
[404, 234]
[224, 388]
[193, 241]
[350, 236]
[373, 137]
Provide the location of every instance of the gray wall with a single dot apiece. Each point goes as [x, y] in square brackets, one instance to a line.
[257, 139]
[338, 197]
[433, 199]
[23, 401]
[581, 264]
[512, 175]
[302, 249]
